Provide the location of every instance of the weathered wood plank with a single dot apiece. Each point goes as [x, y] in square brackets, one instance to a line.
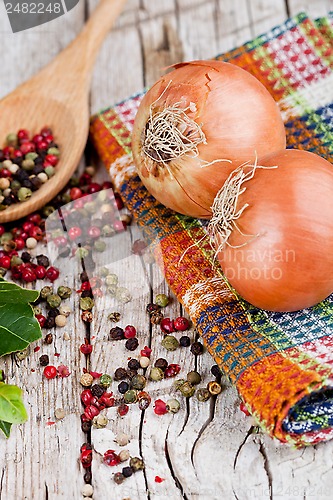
[315, 8]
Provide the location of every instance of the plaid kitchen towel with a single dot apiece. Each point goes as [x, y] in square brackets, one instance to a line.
[281, 363]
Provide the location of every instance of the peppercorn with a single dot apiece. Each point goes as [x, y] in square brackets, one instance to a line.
[122, 439]
[122, 410]
[162, 300]
[116, 333]
[120, 374]
[48, 338]
[86, 303]
[124, 455]
[214, 388]
[87, 477]
[42, 260]
[87, 316]
[131, 373]
[59, 413]
[203, 395]
[137, 464]
[130, 396]
[86, 293]
[87, 491]
[111, 279]
[97, 390]
[131, 344]
[156, 317]
[46, 290]
[144, 361]
[216, 372]
[127, 471]
[193, 378]
[187, 390]
[44, 360]
[123, 295]
[105, 380]
[156, 374]
[138, 382]
[86, 426]
[64, 292]
[161, 363]
[197, 348]
[100, 421]
[133, 364]
[52, 313]
[123, 387]
[119, 478]
[60, 320]
[111, 289]
[152, 308]
[53, 300]
[184, 341]
[114, 317]
[84, 276]
[172, 370]
[173, 405]
[86, 380]
[170, 343]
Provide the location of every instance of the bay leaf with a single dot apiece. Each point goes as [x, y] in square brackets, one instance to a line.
[12, 409]
[5, 428]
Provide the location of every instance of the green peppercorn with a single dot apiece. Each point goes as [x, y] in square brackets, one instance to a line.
[214, 388]
[137, 464]
[64, 292]
[162, 300]
[11, 140]
[194, 378]
[31, 156]
[114, 317]
[20, 355]
[48, 210]
[6, 237]
[53, 300]
[138, 382]
[123, 295]
[130, 396]
[107, 231]
[100, 246]
[203, 395]
[105, 380]
[15, 185]
[86, 303]
[37, 310]
[24, 194]
[53, 151]
[173, 405]
[90, 206]
[111, 279]
[16, 261]
[178, 383]
[45, 292]
[28, 164]
[3, 272]
[81, 252]
[103, 272]
[50, 171]
[112, 289]
[156, 374]
[170, 343]
[187, 390]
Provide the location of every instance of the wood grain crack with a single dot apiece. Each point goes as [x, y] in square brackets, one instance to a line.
[1, 481]
[263, 453]
[172, 472]
[249, 432]
[140, 449]
[204, 427]
[46, 492]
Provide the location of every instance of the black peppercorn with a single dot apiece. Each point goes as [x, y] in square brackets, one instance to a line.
[161, 363]
[123, 387]
[42, 260]
[44, 360]
[97, 390]
[184, 341]
[86, 426]
[127, 471]
[120, 374]
[87, 477]
[84, 276]
[48, 338]
[116, 333]
[215, 371]
[52, 313]
[26, 257]
[156, 317]
[133, 364]
[86, 293]
[131, 373]
[49, 323]
[197, 348]
[131, 344]
[152, 308]
[37, 169]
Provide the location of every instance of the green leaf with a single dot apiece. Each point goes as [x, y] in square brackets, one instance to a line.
[5, 427]
[12, 409]
[11, 293]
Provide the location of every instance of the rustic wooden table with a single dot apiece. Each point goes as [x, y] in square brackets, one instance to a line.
[208, 450]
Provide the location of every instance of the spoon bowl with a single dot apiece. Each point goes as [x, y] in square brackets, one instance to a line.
[58, 97]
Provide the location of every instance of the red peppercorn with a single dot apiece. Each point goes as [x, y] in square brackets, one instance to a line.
[40, 272]
[91, 411]
[86, 458]
[111, 458]
[2, 229]
[118, 201]
[22, 134]
[28, 275]
[160, 408]
[74, 233]
[94, 232]
[171, 371]
[167, 325]
[181, 324]
[85, 179]
[27, 226]
[107, 185]
[35, 218]
[20, 243]
[5, 172]
[129, 331]
[86, 348]
[52, 160]
[119, 225]
[41, 319]
[94, 187]
[85, 286]
[36, 232]
[60, 241]
[50, 372]
[75, 193]
[123, 410]
[45, 131]
[27, 147]
[52, 273]
[42, 145]
[86, 397]
[17, 154]
[146, 351]
[107, 399]
[5, 261]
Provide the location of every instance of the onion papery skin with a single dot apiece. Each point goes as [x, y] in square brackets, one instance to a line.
[238, 117]
[289, 265]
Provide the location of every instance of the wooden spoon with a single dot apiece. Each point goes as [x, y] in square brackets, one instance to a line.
[58, 96]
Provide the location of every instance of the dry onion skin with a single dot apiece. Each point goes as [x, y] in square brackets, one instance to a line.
[197, 124]
[273, 229]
